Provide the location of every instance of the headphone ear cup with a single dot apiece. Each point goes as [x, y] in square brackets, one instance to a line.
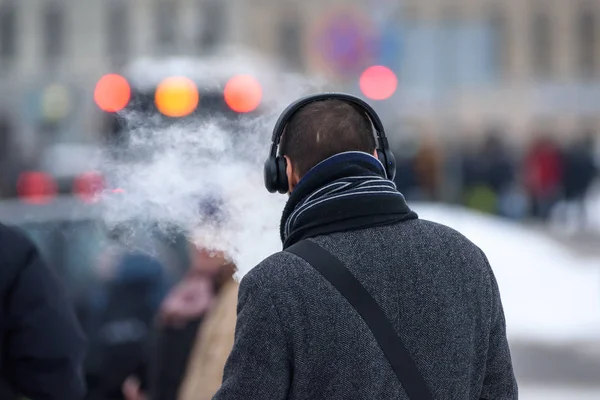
[390, 165]
[382, 158]
[282, 180]
[389, 162]
[270, 174]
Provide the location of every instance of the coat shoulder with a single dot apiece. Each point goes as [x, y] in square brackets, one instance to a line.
[445, 235]
[277, 269]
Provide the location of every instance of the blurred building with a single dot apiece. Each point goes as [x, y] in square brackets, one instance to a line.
[70, 44]
[462, 64]
[522, 64]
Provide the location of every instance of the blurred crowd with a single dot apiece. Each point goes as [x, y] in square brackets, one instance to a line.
[169, 338]
[493, 176]
[159, 316]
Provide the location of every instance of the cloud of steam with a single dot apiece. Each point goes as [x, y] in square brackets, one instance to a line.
[187, 165]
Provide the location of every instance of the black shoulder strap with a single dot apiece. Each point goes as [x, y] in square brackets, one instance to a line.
[342, 279]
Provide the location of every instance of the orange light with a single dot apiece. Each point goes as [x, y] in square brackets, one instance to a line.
[88, 186]
[176, 96]
[378, 82]
[36, 188]
[112, 93]
[243, 93]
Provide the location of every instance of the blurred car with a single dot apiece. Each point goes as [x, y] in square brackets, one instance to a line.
[64, 217]
[155, 94]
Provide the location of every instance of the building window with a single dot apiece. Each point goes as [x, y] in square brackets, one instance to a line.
[214, 20]
[290, 44]
[541, 43]
[118, 38]
[54, 30]
[166, 23]
[8, 31]
[499, 43]
[587, 39]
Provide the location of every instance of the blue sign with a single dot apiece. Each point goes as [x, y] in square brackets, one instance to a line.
[345, 43]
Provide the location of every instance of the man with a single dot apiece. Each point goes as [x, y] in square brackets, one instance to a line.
[298, 338]
[42, 344]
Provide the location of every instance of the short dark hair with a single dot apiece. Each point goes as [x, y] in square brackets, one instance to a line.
[323, 129]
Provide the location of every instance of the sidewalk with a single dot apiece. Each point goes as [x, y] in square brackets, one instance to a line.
[569, 364]
[528, 392]
[557, 372]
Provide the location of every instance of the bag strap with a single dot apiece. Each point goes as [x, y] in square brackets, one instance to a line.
[342, 279]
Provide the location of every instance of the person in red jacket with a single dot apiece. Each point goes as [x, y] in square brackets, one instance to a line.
[543, 176]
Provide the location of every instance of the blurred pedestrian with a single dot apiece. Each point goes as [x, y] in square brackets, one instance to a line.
[428, 164]
[543, 176]
[366, 301]
[579, 174]
[42, 344]
[214, 340]
[196, 324]
[406, 179]
[122, 326]
[499, 169]
[498, 162]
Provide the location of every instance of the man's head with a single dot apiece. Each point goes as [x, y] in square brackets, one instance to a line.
[323, 129]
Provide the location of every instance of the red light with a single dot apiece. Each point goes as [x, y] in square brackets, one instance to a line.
[36, 188]
[112, 93]
[118, 190]
[89, 186]
[378, 82]
[243, 93]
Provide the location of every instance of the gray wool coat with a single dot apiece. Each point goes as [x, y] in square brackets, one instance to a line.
[298, 338]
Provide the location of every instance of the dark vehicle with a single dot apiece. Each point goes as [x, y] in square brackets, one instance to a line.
[153, 96]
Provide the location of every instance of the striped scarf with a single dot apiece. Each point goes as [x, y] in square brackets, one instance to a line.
[348, 191]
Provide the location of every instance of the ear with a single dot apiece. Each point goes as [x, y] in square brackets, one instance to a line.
[291, 175]
[375, 154]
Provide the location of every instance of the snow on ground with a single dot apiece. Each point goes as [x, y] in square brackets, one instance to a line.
[593, 207]
[549, 294]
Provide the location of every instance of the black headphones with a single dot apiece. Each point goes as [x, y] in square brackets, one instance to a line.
[275, 165]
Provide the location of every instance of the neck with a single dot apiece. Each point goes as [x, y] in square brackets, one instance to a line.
[346, 191]
[338, 162]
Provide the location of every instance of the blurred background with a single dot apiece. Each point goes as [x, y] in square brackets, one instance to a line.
[492, 108]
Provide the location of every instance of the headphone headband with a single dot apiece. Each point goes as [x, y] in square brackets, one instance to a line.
[291, 110]
[273, 174]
